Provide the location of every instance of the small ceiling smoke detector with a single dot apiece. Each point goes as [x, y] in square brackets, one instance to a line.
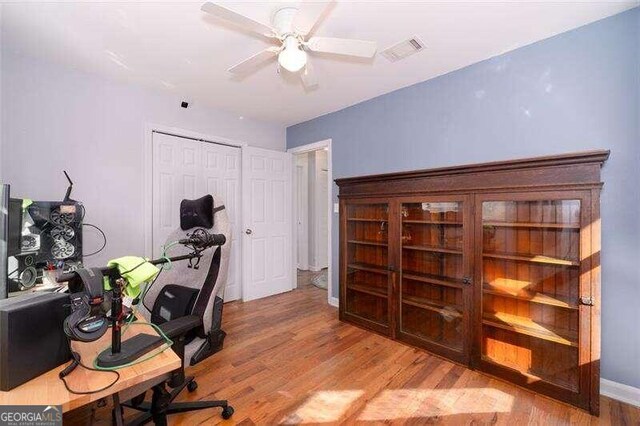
[403, 49]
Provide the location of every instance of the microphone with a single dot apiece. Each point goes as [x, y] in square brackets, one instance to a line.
[203, 240]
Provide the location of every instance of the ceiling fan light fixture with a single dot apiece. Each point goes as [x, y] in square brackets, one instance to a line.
[292, 57]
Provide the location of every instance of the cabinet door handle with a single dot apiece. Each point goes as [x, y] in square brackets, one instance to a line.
[467, 281]
[587, 301]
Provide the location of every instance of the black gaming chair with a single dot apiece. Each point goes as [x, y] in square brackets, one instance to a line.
[198, 291]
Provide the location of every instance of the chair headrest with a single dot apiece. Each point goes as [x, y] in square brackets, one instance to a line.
[197, 213]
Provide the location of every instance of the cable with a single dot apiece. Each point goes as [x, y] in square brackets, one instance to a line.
[134, 268]
[166, 266]
[74, 363]
[168, 344]
[104, 237]
[147, 288]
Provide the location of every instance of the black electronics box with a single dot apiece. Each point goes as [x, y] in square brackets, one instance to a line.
[32, 340]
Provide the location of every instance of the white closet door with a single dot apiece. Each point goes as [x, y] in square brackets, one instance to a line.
[221, 175]
[267, 217]
[184, 168]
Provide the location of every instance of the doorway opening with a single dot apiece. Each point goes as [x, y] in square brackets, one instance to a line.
[312, 219]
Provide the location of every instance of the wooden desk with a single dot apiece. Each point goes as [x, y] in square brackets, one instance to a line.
[48, 389]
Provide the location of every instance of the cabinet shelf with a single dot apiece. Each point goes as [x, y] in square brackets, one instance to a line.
[368, 243]
[368, 290]
[357, 219]
[533, 225]
[432, 279]
[529, 373]
[529, 327]
[368, 268]
[534, 258]
[529, 296]
[432, 222]
[432, 305]
[433, 249]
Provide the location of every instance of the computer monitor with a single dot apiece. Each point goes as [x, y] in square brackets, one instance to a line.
[4, 239]
[10, 233]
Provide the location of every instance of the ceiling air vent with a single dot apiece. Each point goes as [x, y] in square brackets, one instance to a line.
[403, 49]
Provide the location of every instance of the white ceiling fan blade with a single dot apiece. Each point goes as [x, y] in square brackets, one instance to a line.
[238, 19]
[343, 46]
[309, 77]
[254, 62]
[309, 13]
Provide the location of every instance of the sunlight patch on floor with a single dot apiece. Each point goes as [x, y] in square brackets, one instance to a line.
[323, 407]
[413, 403]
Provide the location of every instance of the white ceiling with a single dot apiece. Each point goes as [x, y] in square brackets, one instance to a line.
[177, 48]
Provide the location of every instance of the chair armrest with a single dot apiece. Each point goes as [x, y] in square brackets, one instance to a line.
[180, 326]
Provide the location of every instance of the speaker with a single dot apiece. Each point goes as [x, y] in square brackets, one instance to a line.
[32, 340]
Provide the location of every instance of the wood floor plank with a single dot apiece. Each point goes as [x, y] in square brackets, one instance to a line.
[288, 360]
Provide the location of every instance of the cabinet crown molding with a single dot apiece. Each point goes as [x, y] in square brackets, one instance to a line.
[585, 157]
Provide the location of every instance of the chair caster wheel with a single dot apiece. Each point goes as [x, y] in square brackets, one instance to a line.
[227, 412]
[192, 386]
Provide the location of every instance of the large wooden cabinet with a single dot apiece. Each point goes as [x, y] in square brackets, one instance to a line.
[495, 266]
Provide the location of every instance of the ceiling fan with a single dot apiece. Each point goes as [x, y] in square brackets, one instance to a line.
[291, 29]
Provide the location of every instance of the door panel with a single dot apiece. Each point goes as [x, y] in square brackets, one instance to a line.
[367, 265]
[220, 174]
[184, 168]
[530, 266]
[435, 283]
[267, 218]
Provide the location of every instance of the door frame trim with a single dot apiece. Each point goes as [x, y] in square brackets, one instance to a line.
[315, 146]
[147, 171]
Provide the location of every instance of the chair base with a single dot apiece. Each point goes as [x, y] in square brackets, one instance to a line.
[162, 404]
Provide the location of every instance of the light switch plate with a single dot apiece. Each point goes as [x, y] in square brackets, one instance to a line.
[336, 207]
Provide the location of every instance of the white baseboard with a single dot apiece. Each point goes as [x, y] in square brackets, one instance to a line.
[621, 392]
[333, 301]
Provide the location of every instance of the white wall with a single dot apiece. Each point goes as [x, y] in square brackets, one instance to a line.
[314, 235]
[319, 252]
[302, 210]
[56, 118]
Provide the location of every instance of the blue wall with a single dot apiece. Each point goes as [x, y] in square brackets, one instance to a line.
[577, 91]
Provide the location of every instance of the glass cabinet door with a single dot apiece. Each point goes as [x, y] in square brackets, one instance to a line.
[367, 262]
[433, 276]
[530, 268]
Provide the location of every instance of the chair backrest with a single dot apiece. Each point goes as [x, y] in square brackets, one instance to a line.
[211, 275]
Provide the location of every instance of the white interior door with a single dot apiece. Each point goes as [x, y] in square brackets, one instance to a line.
[184, 168]
[267, 219]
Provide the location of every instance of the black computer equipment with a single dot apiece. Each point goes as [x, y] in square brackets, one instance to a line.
[14, 235]
[32, 339]
[4, 239]
[48, 237]
[10, 233]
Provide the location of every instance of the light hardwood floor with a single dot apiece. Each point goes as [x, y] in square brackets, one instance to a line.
[288, 360]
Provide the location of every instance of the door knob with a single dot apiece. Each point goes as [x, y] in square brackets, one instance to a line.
[248, 231]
